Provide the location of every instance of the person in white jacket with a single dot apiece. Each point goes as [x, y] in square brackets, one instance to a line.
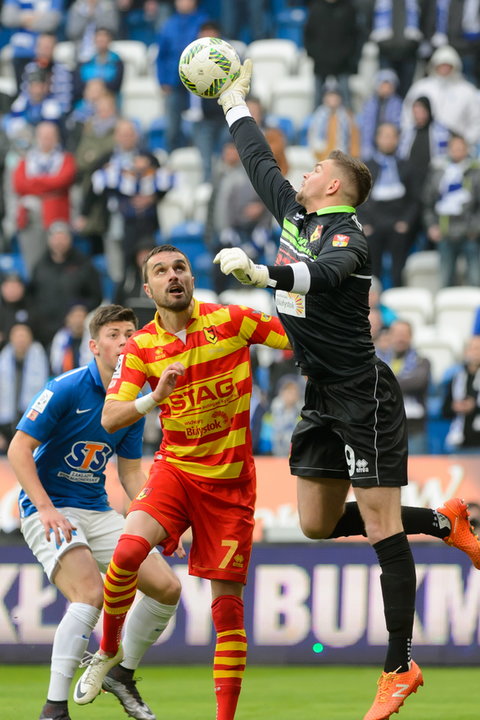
[455, 101]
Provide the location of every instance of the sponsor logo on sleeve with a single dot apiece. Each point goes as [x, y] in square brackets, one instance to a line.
[340, 240]
[118, 368]
[41, 402]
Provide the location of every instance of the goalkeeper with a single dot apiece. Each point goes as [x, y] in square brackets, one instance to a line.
[352, 429]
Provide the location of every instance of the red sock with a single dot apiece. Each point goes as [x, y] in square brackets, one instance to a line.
[120, 587]
[230, 653]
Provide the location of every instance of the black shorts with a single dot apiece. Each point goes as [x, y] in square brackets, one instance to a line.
[356, 429]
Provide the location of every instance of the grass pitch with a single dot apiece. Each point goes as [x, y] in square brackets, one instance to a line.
[281, 693]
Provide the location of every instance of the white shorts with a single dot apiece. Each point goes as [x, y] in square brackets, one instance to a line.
[98, 531]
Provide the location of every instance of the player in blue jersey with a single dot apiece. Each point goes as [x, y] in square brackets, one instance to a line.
[59, 454]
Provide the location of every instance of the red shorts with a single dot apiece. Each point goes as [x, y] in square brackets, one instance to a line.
[220, 515]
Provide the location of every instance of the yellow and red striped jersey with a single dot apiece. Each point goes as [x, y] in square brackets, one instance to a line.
[206, 419]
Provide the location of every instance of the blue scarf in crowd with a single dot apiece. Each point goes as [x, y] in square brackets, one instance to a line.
[388, 185]
[383, 20]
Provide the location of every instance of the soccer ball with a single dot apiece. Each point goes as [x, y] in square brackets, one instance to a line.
[208, 66]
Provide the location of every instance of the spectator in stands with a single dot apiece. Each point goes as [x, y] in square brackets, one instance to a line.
[33, 106]
[179, 30]
[133, 194]
[24, 371]
[332, 126]
[94, 220]
[237, 216]
[388, 214]
[455, 102]
[451, 202]
[42, 180]
[83, 19]
[27, 19]
[94, 90]
[60, 78]
[63, 276]
[420, 144]
[68, 345]
[208, 120]
[15, 304]
[383, 106]
[413, 374]
[129, 292]
[331, 40]
[462, 401]
[105, 64]
[284, 413]
[455, 23]
[396, 29]
[244, 19]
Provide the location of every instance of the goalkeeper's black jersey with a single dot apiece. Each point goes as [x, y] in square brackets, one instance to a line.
[328, 328]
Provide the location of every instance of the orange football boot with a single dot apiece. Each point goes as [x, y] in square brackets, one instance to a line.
[462, 535]
[393, 690]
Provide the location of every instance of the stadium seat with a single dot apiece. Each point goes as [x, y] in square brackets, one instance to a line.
[290, 23]
[285, 124]
[201, 199]
[206, 295]
[173, 209]
[362, 84]
[134, 55]
[455, 309]
[422, 269]
[438, 348]
[293, 97]
[256, 298]
[300, 160]
[64, 52]
[142, 100]
[13, 263]
[186, 163]
[108, 285]
[8, 86]
[271, 58]
[412, 304]
[155, 135]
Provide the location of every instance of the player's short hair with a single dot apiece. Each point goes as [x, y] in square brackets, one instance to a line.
[357, 173]
[157, 250]
[106, 314]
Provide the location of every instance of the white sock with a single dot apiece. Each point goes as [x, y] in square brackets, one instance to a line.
[69, 645]
[144, 625]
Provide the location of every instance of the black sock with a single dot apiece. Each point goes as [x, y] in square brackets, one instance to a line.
[121, 672]
[57, 702]
[398, 589]
[415, 521]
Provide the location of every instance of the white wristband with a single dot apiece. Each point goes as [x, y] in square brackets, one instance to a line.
[144, 404]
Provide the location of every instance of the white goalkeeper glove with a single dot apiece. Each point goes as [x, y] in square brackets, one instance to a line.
[235, 261]
[236, 93]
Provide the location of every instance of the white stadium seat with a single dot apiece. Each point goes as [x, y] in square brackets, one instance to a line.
[256, 298]
[300, 160]
[65, 52]
[186, 163]
[455, 309]
[415, 305]
[134, 56]
[441, 349]
[172, 210]
[422, 269]
[142, 100]
[293, 97]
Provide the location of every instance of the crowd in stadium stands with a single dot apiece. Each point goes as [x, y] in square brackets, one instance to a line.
[104, 153]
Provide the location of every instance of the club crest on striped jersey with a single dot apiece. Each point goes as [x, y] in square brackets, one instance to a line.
[340, 240]
[316, 234]
[211, 334]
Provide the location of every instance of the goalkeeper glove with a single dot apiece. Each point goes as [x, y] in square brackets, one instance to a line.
[235, 261]
[235, 94]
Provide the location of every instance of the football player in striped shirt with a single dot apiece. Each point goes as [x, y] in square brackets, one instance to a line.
[195, 356]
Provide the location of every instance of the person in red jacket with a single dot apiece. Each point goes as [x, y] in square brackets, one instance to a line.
[42, 180]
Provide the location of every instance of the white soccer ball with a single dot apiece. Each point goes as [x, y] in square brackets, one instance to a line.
[208, 66]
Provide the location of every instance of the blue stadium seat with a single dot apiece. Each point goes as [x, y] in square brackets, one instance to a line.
[189, 238]
[289, 24]
[284, 124]
[13, 263]
[108, 285]
[155, 135]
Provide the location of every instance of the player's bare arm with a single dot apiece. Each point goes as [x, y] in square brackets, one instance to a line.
[118, 414]
[20, 455]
